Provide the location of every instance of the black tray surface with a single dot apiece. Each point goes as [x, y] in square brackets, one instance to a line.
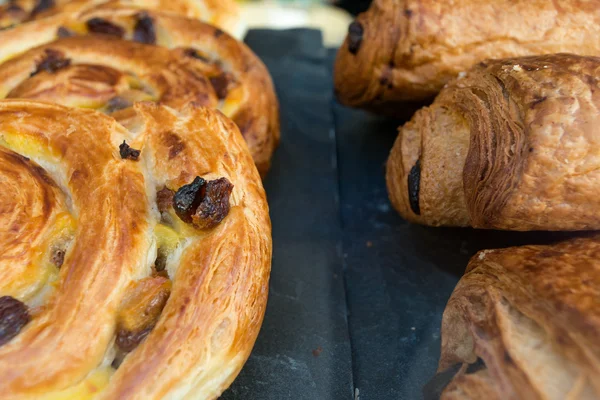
[356, 293]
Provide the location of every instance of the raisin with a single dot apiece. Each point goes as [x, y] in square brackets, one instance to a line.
[63, 32]
[58, 257]
[117, 103]
[143, 31]
[52, 62]
[215, 205]
[221, 84]
[128, 340]
[355, 36]
[99, 25]
[203, 204]
[42, 5]
[218, 33]
[188, 198]
[190, 52]
[13, 317]
[164, 199]
[414, 184]
[128, 152]
[161, 260]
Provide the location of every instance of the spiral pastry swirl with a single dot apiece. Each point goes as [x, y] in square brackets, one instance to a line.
[221, 13]
[136, 258]
[216, 70]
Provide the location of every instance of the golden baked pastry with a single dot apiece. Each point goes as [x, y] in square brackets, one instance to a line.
[136, 259]
[231, 77]
[406, 50]
[221, 13]
[531, 316]
[513, 144]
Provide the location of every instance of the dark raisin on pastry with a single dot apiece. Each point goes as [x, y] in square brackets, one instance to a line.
[117, 103]
[414, 184]
[128, 153]
[190, 52]
[13, 317]
[58, 257]
[161, 260]
[355, 36]
[140, 311]
[164, 199]
[99, 25]
[53, 61]
[203, 204]
[215, 205]
[221, 83]
[42, 5]
[143, 31]
[63, 32]
[188, 198]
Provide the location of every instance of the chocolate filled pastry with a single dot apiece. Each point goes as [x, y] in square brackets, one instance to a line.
[406, 50]
[221, 13]
[135, 257]
[202, 64]
[524, 322]
[513, 144]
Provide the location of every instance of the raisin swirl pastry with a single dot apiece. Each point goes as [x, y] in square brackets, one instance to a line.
[221, 13]
[221, 71]
[136, 259]
[406, 50]
[524, 323]
[514, 144]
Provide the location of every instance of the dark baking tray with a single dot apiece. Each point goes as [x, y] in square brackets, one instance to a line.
[356, 293]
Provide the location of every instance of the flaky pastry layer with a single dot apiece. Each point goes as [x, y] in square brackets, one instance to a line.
[406, 50]
[531, 315]
[513, 144]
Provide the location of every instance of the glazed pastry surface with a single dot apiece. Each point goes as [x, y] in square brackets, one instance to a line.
[139, 253]
[406, 50]
[526, 320]
[512, 144]
[234, 79]
[221, 13]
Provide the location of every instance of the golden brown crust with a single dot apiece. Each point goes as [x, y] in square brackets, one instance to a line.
[510, 145]
[532, 315]
[249, 100]
[411, 48]
[221, 13]
[220, 276]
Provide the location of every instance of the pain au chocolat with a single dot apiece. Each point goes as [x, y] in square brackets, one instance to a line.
[406, 50]
[195, 61]
[135, 258]
[513, 144]
[221, 13]
[524, 323]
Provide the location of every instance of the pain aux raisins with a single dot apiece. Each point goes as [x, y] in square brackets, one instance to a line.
[203, 204]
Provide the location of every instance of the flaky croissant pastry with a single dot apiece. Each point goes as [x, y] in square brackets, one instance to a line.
[513, 144]
[406, 50]
[135, 260]
[227, 74]
[221, 13]
[531, 315]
